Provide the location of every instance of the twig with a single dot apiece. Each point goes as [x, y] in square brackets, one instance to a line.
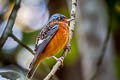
[10, 23]
[53, 71]
[71, 29]
[8, 29]
[47, 68]
[17, 40]
[103, 51]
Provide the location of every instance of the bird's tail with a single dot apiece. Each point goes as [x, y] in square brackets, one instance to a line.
[31, 72]
[33, 66]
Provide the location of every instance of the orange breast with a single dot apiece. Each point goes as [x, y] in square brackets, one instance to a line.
[59, 40]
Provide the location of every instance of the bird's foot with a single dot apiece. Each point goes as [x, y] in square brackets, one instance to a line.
[61, 59]
[67, 47]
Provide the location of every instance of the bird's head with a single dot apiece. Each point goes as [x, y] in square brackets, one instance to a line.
[59, 18]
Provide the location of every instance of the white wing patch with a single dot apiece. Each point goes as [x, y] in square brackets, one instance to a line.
[40, 41]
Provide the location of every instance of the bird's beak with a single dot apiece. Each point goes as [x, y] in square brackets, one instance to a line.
[70, 19]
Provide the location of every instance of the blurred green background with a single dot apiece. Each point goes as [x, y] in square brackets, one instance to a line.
[33, 15]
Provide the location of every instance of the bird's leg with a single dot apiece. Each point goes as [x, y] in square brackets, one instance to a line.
[55, 58]
[59, 59]
[67, 47]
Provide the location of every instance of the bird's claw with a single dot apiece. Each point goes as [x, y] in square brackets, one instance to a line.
[61, 59]
[67, 47]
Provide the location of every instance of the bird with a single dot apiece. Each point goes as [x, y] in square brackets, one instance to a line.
[50, 41]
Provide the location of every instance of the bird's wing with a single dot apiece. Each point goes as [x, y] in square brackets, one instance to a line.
[45, 36]
[43, 39]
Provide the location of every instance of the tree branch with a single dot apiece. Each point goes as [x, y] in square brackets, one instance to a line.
[103, 51]
[66, 50]
[17, 40]
[10, 23]
[8, 29]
